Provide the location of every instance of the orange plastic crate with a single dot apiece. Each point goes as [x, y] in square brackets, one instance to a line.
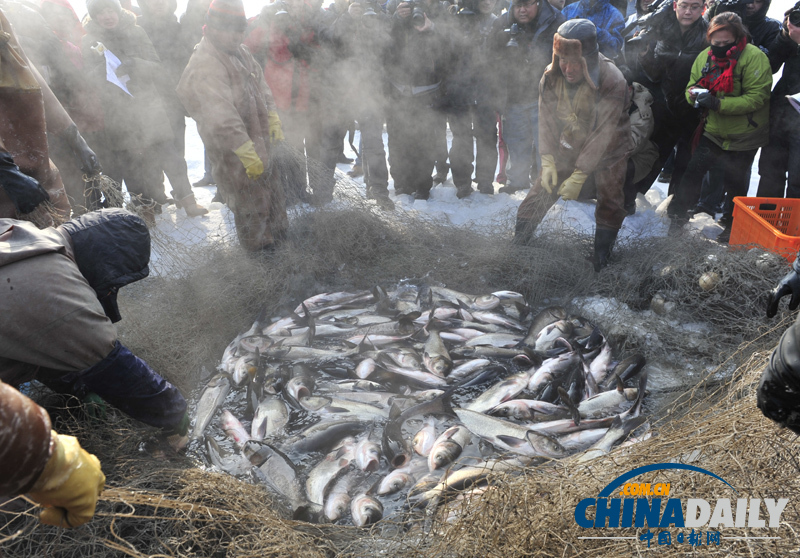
[772, 223]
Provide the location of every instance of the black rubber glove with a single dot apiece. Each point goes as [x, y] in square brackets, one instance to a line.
[87, 158]
[25, 192]
[709, 101]
[790, 284]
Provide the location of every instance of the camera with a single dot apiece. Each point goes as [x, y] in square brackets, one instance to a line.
[417, 13]
[650, 22]
[794, 17]
[697, 92]
[468, 8]
[512, 31]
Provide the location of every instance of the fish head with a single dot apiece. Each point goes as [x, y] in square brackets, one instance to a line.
[487, 302]
[546, 445]
[393, 483]
[443, 454]
[336, 505]
[297, 387]
[366, 510]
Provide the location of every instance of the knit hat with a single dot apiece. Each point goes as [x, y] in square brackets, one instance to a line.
[94, 7]
[226, 15]
[578, 38]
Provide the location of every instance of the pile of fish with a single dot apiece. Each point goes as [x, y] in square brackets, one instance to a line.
[359, 404]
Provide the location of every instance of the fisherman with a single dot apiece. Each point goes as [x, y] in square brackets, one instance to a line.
[52, 469]
[28, 109]
[59, 311]
[223, 89]
[584, 136]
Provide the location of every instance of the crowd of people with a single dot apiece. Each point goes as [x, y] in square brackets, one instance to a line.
[593, 99]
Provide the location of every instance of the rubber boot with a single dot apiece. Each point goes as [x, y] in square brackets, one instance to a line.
[190, 206]
[603, 243]
[523, 232]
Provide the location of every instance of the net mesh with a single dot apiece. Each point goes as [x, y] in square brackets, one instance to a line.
[204, 290]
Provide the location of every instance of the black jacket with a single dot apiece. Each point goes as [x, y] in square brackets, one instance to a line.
[416, 59]
[668, 60]
[473, 78]
[522, 67]
[763, 30]
[784, 52]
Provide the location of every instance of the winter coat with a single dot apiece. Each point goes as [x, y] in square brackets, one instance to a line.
[173, 52]
[59, 62]
[606, 18]
[227, 96]
[668, 60]
[24, 441]
[415, 59]
[522, 68]
[473, 78]
[357, 79]
[784, 52]
[285, 46]
[742, 121]
[28, 109]
[763, 30]
[608, 138]
[137, 121]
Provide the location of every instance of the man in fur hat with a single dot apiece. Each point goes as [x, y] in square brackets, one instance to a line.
[584, 136]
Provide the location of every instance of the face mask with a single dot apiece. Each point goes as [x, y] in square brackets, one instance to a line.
[721, 51]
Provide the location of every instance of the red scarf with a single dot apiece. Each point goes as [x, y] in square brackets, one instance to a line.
[714, 80]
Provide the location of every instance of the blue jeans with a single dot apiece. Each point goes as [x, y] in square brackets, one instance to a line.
[521, 134]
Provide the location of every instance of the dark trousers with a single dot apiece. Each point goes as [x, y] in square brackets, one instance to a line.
[736, 168]
[780, 157]
[605, 184]
[467, 122]
[373, 153]
[412, 125]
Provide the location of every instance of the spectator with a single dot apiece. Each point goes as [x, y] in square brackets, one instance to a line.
[607, 20]
[471, 99]
[731, 84]
[524, 48]
[782, 154]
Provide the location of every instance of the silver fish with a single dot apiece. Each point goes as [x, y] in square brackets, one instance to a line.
[365, 510]
[213, 395]
[511, 436]
[368, 455]
[506, 340]
[618, 431]
[327, 471]
[435, 356]
[232, 463]
[277, 471]
[448, 447]
[502, 391]
[425, 438]
[234, 429]
[270, 417]
[547, 336]
[498, 319]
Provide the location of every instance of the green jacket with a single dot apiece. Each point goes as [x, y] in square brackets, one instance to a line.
[742, 121]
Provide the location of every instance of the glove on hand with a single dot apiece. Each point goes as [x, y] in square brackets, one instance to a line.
[25, 192]
[571, 188]
[275, 128]
[249, 158]
[707, 100]
[86, 157]
[790, 284]
[69, 485]
[549, 173]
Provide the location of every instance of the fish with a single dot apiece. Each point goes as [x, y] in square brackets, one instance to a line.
[395, 481]
[322, 436]
[275, 469]
[607, 402]
[244, 368]
[366, 367]
[529, 409]
[547, 336]
[617, 432]
[365, 510]
[500, 392]
[270, 417]
[325, 473]
[544, 318]
[448, 447]
[425, 438]
[510, 436]
[212, 397]
[337, 503]
[624, 370]
[435, 356]
[339, 407]
[368, 455]
[498, 319]
[235, 464]
[394, 445]
[600, 364]
[505, 340]
[234, 429]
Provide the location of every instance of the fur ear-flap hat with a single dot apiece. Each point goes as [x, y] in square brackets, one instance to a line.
[577, 38]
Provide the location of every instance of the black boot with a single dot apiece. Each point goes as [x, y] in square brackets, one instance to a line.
[603, 243]
[523, 232]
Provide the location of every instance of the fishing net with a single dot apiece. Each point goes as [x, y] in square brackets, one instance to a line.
[710, 341]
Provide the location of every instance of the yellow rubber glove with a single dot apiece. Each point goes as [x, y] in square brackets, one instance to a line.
[549, 173]
[570, 189]
[69, 485]
[249, 158]
[275, 128]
